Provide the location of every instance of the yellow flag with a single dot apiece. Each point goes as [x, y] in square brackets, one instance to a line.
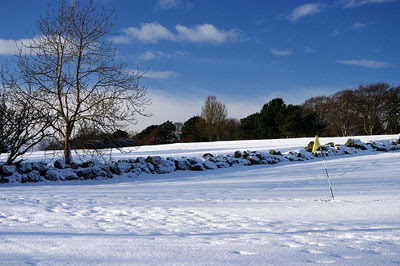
[316, 145]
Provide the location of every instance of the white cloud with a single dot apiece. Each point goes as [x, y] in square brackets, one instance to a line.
[308, 50]
[365, 63]
[359, 3]
[167, 4]
[152, 55]
[355, 26]
[205, 33]
[148, 56]
[10, 47]
[358, 26]
[281, 52]
[154, 32]
[153, 74]
[120, 39]
[304, 10]
[149, 32]
[159, 74]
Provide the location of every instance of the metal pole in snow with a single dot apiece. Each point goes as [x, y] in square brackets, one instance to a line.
[327, 175]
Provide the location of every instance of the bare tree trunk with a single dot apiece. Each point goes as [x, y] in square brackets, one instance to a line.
[344, 131]
[67, 143]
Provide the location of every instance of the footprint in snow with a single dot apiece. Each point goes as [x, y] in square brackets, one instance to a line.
[31, 261]
[326, 261]
[215, 242]
[313, 251]
[244, 253]
[51, 210]
[373, 252]
[291, 245]
[352, 257]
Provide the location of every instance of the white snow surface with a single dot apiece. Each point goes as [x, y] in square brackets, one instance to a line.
[178, 150]
[256, 215]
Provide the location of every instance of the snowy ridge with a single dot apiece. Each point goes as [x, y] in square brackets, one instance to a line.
[134, 167]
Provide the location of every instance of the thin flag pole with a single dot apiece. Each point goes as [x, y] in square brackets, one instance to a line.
[327, 175]
[317, 146]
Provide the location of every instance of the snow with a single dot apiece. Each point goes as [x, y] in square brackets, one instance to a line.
[265, 214]
[178, 150]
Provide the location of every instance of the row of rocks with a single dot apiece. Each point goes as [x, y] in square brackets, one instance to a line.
[38, 171]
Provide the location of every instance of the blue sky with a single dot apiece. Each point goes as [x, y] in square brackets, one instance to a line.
[244, 52]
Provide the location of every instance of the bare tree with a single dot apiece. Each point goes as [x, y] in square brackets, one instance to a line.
[370, 105]
[369, 109]
[215, 115]
[71, 73]
[21, 127]
[392, 110]
[229, 127]
[342, 113]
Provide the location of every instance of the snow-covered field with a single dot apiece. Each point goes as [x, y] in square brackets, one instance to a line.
[257, 215]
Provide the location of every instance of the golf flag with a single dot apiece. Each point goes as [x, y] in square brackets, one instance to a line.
[316, 146]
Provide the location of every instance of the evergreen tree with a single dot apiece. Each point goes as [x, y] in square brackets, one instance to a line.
[248, 127]
[270, 118]
[277, 120]
[157, 134]
[193, 130]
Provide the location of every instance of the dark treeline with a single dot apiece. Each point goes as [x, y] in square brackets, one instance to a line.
[90, 137]
[165, 133]
[368, 110]
[277, 120]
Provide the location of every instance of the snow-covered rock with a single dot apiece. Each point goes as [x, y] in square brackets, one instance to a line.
[68, 174]
[253, 159]
[59, 164]
[121, 167]
[52, 174]
[274, 152]
[238, 154]
[7, 170]
[356, 143]
[182, 164]
[34, 176]
[379, 146]
[210, 165]
[154, 160]
[141, 160]
[150, 167]
[196, 164]
[94, 172]
[223, 164]
[165, 166]
[40, 167]
[24, 168]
